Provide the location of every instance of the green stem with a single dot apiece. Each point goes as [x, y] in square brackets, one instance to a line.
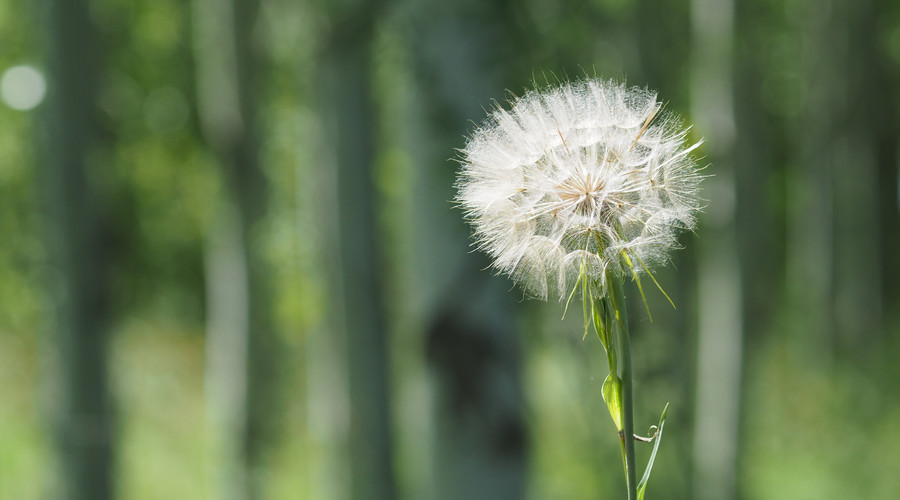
[623, 345]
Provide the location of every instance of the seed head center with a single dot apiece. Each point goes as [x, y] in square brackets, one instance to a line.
[584, 191]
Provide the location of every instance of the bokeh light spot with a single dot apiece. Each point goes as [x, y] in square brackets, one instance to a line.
[22, 87]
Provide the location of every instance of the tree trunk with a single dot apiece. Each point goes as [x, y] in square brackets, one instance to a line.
[864, 145]
[480, 448]
[720, 332]
[79, 244]
[811, 212]
[346, 106]
[241, 353]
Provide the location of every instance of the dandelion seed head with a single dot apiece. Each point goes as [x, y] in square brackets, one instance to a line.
[578, 180]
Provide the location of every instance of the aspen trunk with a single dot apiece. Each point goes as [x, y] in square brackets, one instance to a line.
[241, 352]
[79, 242]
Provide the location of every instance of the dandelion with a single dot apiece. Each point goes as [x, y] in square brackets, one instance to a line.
[585, 179]
[581, 187]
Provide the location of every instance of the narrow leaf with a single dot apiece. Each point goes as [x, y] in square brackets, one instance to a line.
[643, 484]
[666, 295]
[637, 279]
[617, 304]
[587, 303]
[600, 324]
[574, 289]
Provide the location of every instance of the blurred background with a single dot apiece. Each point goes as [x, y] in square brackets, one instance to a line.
[230, 267]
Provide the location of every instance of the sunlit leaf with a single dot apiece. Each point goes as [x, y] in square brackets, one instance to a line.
[612, 394]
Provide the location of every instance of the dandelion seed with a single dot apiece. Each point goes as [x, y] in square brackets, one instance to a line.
[589, 179]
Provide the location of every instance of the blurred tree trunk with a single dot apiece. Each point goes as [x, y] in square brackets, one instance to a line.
[240, 378]
[888, 157]
[79, 244]
[886, 95]
[346, 108]
[811, 211]
[720, 332]
[842, 231]
[864, 147]
[460, 52]
[759, 225]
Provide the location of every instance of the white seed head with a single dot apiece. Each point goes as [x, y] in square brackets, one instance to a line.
[588, 178]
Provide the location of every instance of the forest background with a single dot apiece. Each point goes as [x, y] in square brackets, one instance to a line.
[230, 266]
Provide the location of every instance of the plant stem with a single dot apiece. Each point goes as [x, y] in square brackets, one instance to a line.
[623, 344]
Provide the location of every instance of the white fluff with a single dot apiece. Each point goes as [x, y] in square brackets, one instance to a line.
[575, 178]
